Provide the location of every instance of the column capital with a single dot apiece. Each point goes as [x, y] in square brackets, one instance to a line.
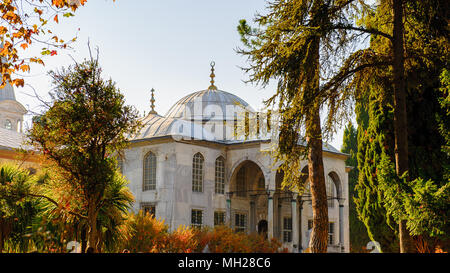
[294, 197]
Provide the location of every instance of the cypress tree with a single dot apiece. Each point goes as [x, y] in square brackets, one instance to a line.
[358, 232]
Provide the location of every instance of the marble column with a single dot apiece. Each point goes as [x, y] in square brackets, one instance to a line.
[300, 215]
[270, 216]
[341, 225]
[278, 224]
[294, 223]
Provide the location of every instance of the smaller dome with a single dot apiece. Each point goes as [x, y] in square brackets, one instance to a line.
[7, 93]
[155, 125]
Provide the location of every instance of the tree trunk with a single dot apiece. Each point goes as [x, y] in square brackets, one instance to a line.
[92, 221]
[319, 235]
[1, 239]
[400, 118]
[83, 240]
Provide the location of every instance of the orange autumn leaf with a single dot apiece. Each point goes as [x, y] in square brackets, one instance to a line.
[25, 68]
[56, 18]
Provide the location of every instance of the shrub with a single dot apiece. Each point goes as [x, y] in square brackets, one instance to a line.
[144, 233]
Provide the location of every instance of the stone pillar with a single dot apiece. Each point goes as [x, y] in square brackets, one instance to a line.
[278, 225]
[270, 216]
[300, 215]
[341, 225]
[294, 223]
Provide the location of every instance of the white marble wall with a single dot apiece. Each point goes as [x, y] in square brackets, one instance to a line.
[174, 198]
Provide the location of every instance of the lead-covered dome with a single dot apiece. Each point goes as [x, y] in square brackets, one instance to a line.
[209, 104]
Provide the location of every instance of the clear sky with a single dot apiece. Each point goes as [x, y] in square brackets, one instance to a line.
[166, 45]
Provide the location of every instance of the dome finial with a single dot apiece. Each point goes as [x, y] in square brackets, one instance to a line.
[212, 86]
[152, 101]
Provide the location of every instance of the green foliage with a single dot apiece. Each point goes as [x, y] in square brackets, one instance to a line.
[284, 46]
[422, 203]
[374, 119]
[86, 123]
[17, 210]
[358, 232]
[382, 202]
[444, 119]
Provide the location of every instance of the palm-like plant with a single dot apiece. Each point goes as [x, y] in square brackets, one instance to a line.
[69, 211]
[117, 202]
[16, 209]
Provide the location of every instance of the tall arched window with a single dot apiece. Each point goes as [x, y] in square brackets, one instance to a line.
[220, 175]
[197, 172]
[149, 181]
[330, 188]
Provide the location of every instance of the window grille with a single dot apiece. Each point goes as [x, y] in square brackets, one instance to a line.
[149, 182]
[240, 223]
[287, 229]
[220, 176]
[197, 173]
[149, 208]
[196, 218]
[219, 218]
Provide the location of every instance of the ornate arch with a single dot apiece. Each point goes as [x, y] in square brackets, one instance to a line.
[336, 178]
[239, 162]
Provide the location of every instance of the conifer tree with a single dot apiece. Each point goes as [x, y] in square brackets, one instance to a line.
[358, 232]
[287, 45]
[426, 46]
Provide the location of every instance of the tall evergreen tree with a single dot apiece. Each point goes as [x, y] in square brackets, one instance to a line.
[358, 232]
[427, 51]
[286, 46]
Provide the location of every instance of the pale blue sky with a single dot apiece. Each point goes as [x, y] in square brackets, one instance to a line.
[166, 45]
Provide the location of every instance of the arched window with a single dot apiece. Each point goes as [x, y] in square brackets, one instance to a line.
[197, 173]
[331, 195]
[149, 182]
[8, 124]
[220, 175]
[241, 187]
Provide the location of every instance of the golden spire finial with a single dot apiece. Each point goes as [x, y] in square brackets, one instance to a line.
[212, 86]
[152, 101]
